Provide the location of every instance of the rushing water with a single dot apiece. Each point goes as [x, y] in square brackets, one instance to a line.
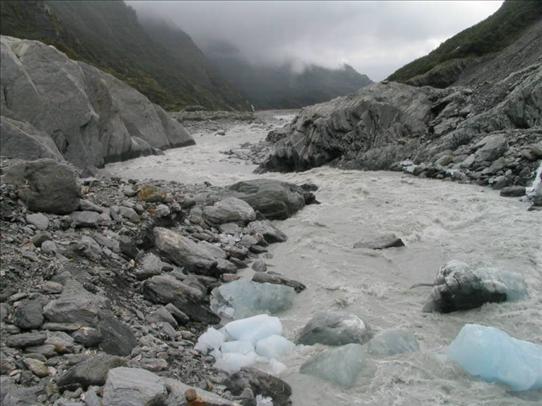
[438, 221]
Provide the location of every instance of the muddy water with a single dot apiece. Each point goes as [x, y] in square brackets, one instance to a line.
[438, 221]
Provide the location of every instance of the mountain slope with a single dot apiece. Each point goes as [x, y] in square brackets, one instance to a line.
[110, 36]
[282, 86]
[477, 44]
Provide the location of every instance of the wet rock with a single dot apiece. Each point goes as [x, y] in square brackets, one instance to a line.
[379, 242]
[264, 227]
[116, 337]
[229, 210]
[272, 198]
[29, 315]
[513, 191]
[45, 185]
[260, 383]
[92, 371]
[459, 286]
[133, 387]
[26, 339]
[164, 289]
[184, 252]
[85, 218]
[273, 277]
[334, 328]
[39, 220]
[340, 365]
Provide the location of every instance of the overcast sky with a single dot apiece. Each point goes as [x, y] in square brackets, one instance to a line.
[375, 38]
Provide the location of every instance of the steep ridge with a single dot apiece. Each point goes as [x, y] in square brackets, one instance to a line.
[109, 35]
[475, 46]
[282, 86]
[55, 107]
[488, 130]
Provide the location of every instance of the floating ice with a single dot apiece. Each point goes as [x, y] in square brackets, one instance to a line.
[274, 346]
[212, 339]
[242, 343]
[244, 298]
[494, 356]
[340, 365]
[392, 342]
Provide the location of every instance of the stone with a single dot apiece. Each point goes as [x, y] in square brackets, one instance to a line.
[49, 247]
[45, 185]
[37, 367]
[164, 289]
[181, 394]
[264, 227]
[40, 237]
[184, 252]
[162, 315]
[26, 339]
[274, 199]
[151, 194]
[513, 191]
[92, 371]
[29, 315]
[62, 342]
[334, 328]
[87, 336]
[491, 147]
[129, 214]
[380, 241]
[134, 387]
[85, 218]
[178, 315]
[340, 365]
[261, 383]
[151, 265]
[459, 286]
[273, 277]
[229, 210]
[116, 337]
[162, 211]
[39, 220]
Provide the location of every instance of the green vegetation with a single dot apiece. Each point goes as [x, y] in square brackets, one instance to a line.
[488, 37]
[161, 62]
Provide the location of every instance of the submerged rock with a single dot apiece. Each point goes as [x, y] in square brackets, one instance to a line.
[334, 328]
[392, 342]
[380, 242]
[494, 356]
[340, 365]
[244, 298]
[459, 286]
[273, 277]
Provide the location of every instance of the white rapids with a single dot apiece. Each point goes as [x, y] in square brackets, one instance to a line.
[438, 220]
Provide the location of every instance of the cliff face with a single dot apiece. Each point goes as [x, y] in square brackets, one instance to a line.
[488, 128]
[55, 107]
[161, 62]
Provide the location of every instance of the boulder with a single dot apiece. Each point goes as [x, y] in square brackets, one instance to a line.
[260, 383]
[45, 185]
[334, 328]
[229, 210]
[134, 387]
[29, 315]
[164, 289]
[491, 147]
[92, 371]
[380, 242]
[40, 221]
[116, 337]
[26, 339]
[264, 227]
[272, 198]
[184, 252]
[513, 191]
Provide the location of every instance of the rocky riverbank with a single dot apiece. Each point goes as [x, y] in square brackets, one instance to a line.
[106, 283]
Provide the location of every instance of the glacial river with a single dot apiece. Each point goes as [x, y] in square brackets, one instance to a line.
[438, 220]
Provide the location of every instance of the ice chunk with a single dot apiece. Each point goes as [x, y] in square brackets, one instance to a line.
[253, 328]
[459, 286]
[241, 347]
[494, 356]
[244, 298]
[340, 365]
[232, 362]
[212, 339]
[392, 342]
[274, 346]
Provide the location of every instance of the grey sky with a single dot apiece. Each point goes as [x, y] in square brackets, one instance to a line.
[374, 37]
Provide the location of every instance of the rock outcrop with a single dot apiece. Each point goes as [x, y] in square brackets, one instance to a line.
[55, 107]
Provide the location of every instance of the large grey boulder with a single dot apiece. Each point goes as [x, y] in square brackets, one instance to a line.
[45, 185]
[334, 328]
[76, 110]
[229, 210]
[164, 289]
[184, 252]
[134, 387]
